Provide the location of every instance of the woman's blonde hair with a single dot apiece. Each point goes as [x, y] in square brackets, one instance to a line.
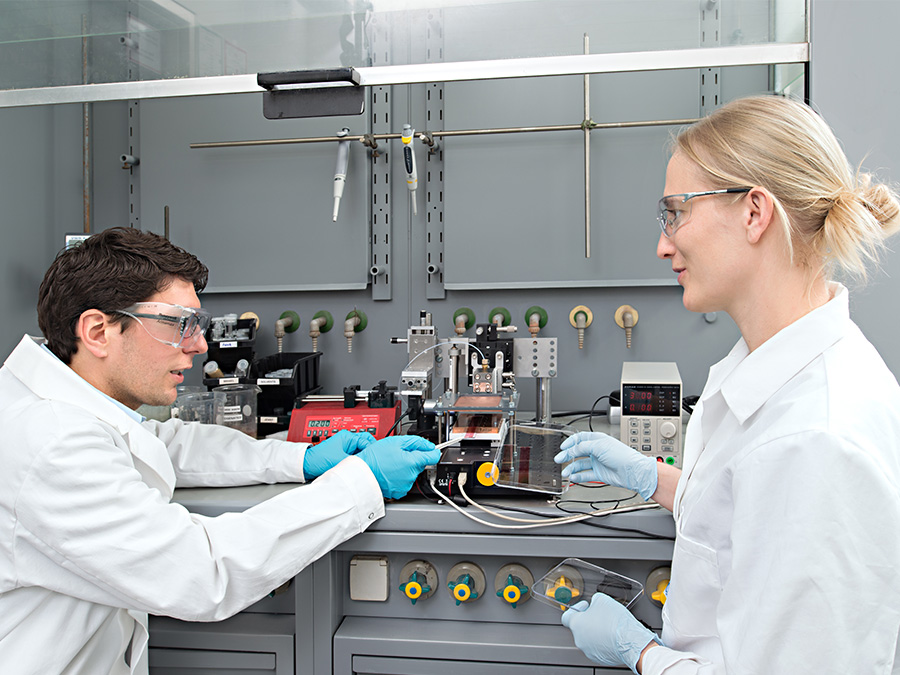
[833, 216]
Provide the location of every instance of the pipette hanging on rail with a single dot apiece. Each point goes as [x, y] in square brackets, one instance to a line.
[340, 171]
[409, 162]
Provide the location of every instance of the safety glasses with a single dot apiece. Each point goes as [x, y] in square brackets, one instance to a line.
[675, 210]
[170, 324]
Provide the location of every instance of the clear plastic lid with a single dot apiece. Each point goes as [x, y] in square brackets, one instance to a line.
[525, 461]
[574, 580]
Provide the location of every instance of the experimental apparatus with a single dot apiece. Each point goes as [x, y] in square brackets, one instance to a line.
[474, 419]
[456, 563]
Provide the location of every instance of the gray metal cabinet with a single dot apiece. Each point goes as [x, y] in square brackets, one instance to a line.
[245, 644]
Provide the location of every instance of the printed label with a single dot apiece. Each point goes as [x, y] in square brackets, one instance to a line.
[228, 380]
[232, 409]
[268, 380]
[227, 345]
[232, 418]
[268, 420]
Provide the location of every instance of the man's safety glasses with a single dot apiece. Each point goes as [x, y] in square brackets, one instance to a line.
[675, 210]
[170, 324]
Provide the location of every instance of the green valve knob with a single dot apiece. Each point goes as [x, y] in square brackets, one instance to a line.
[462, 589]
[513, 591]
[415, 587]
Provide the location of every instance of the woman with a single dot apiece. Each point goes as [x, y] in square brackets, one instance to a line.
[788, 505]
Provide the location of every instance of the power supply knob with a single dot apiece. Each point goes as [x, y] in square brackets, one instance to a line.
[667, 430]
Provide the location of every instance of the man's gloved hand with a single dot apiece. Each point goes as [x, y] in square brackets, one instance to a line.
[599, 457]
[319, 458]
[397, 461]
[606, 631]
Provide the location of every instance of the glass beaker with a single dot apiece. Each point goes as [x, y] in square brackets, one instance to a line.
[239, 406]
[206, 407]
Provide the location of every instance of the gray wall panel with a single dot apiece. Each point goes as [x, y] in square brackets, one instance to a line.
[40, 190]
[260, 217]
[853, 46]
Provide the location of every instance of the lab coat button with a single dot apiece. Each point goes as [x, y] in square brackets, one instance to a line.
[372, 516]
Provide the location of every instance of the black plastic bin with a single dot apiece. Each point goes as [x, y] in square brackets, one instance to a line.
[228, 352]
[277, 395]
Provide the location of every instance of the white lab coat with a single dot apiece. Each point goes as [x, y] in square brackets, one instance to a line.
[788, 510]
[90, 542]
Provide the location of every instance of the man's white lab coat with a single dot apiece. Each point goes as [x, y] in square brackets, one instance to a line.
[788, 510]
[90, 542]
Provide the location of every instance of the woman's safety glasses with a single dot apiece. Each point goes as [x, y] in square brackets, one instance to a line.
[675, 210]
[170, 324]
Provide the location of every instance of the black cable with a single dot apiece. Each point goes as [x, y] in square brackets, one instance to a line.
[399, 419]
[591, 414]
[688, 403]
[433, 500]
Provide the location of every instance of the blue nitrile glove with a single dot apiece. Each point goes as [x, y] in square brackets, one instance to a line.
[397, 461]
[606, 631]
[599, 457]
[319, 458]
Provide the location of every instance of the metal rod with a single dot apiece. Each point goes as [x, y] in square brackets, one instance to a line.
[543, 407]
[462, 132]
[587, 155]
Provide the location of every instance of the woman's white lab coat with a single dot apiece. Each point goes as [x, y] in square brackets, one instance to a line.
[90, 541]
[788, 510]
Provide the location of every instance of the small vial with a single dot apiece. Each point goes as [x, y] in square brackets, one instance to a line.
[242, 369]
[218, 328]
[211, 369]
[230, 325]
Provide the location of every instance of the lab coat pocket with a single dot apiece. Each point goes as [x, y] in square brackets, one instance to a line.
[693, 594]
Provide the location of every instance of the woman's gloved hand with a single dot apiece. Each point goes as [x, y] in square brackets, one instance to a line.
[606, 632]
[599, 457]
[397, 461]
[319, 458]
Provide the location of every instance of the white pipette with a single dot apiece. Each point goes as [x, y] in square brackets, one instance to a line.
[340, 171]
[409, 161]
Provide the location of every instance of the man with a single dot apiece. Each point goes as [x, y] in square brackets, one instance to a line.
[90, 542]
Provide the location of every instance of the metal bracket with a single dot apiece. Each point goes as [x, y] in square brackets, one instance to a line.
[134, 149]
[286, 97]
[710, 28]
[382, 216]
[434, 168]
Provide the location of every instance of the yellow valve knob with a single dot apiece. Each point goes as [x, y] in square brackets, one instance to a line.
[413, 589]
[563, 590]
[461, 592]
[512, 594]
[660, 593]
[514, 590]
[487, 474]
[465, 588]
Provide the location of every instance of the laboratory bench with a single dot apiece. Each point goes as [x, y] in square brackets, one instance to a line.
[346, 613]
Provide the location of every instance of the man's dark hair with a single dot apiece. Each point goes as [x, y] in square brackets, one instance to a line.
[108, 271]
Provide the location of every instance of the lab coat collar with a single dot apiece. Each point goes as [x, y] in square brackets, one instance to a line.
[747, 380]
[51, 379]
